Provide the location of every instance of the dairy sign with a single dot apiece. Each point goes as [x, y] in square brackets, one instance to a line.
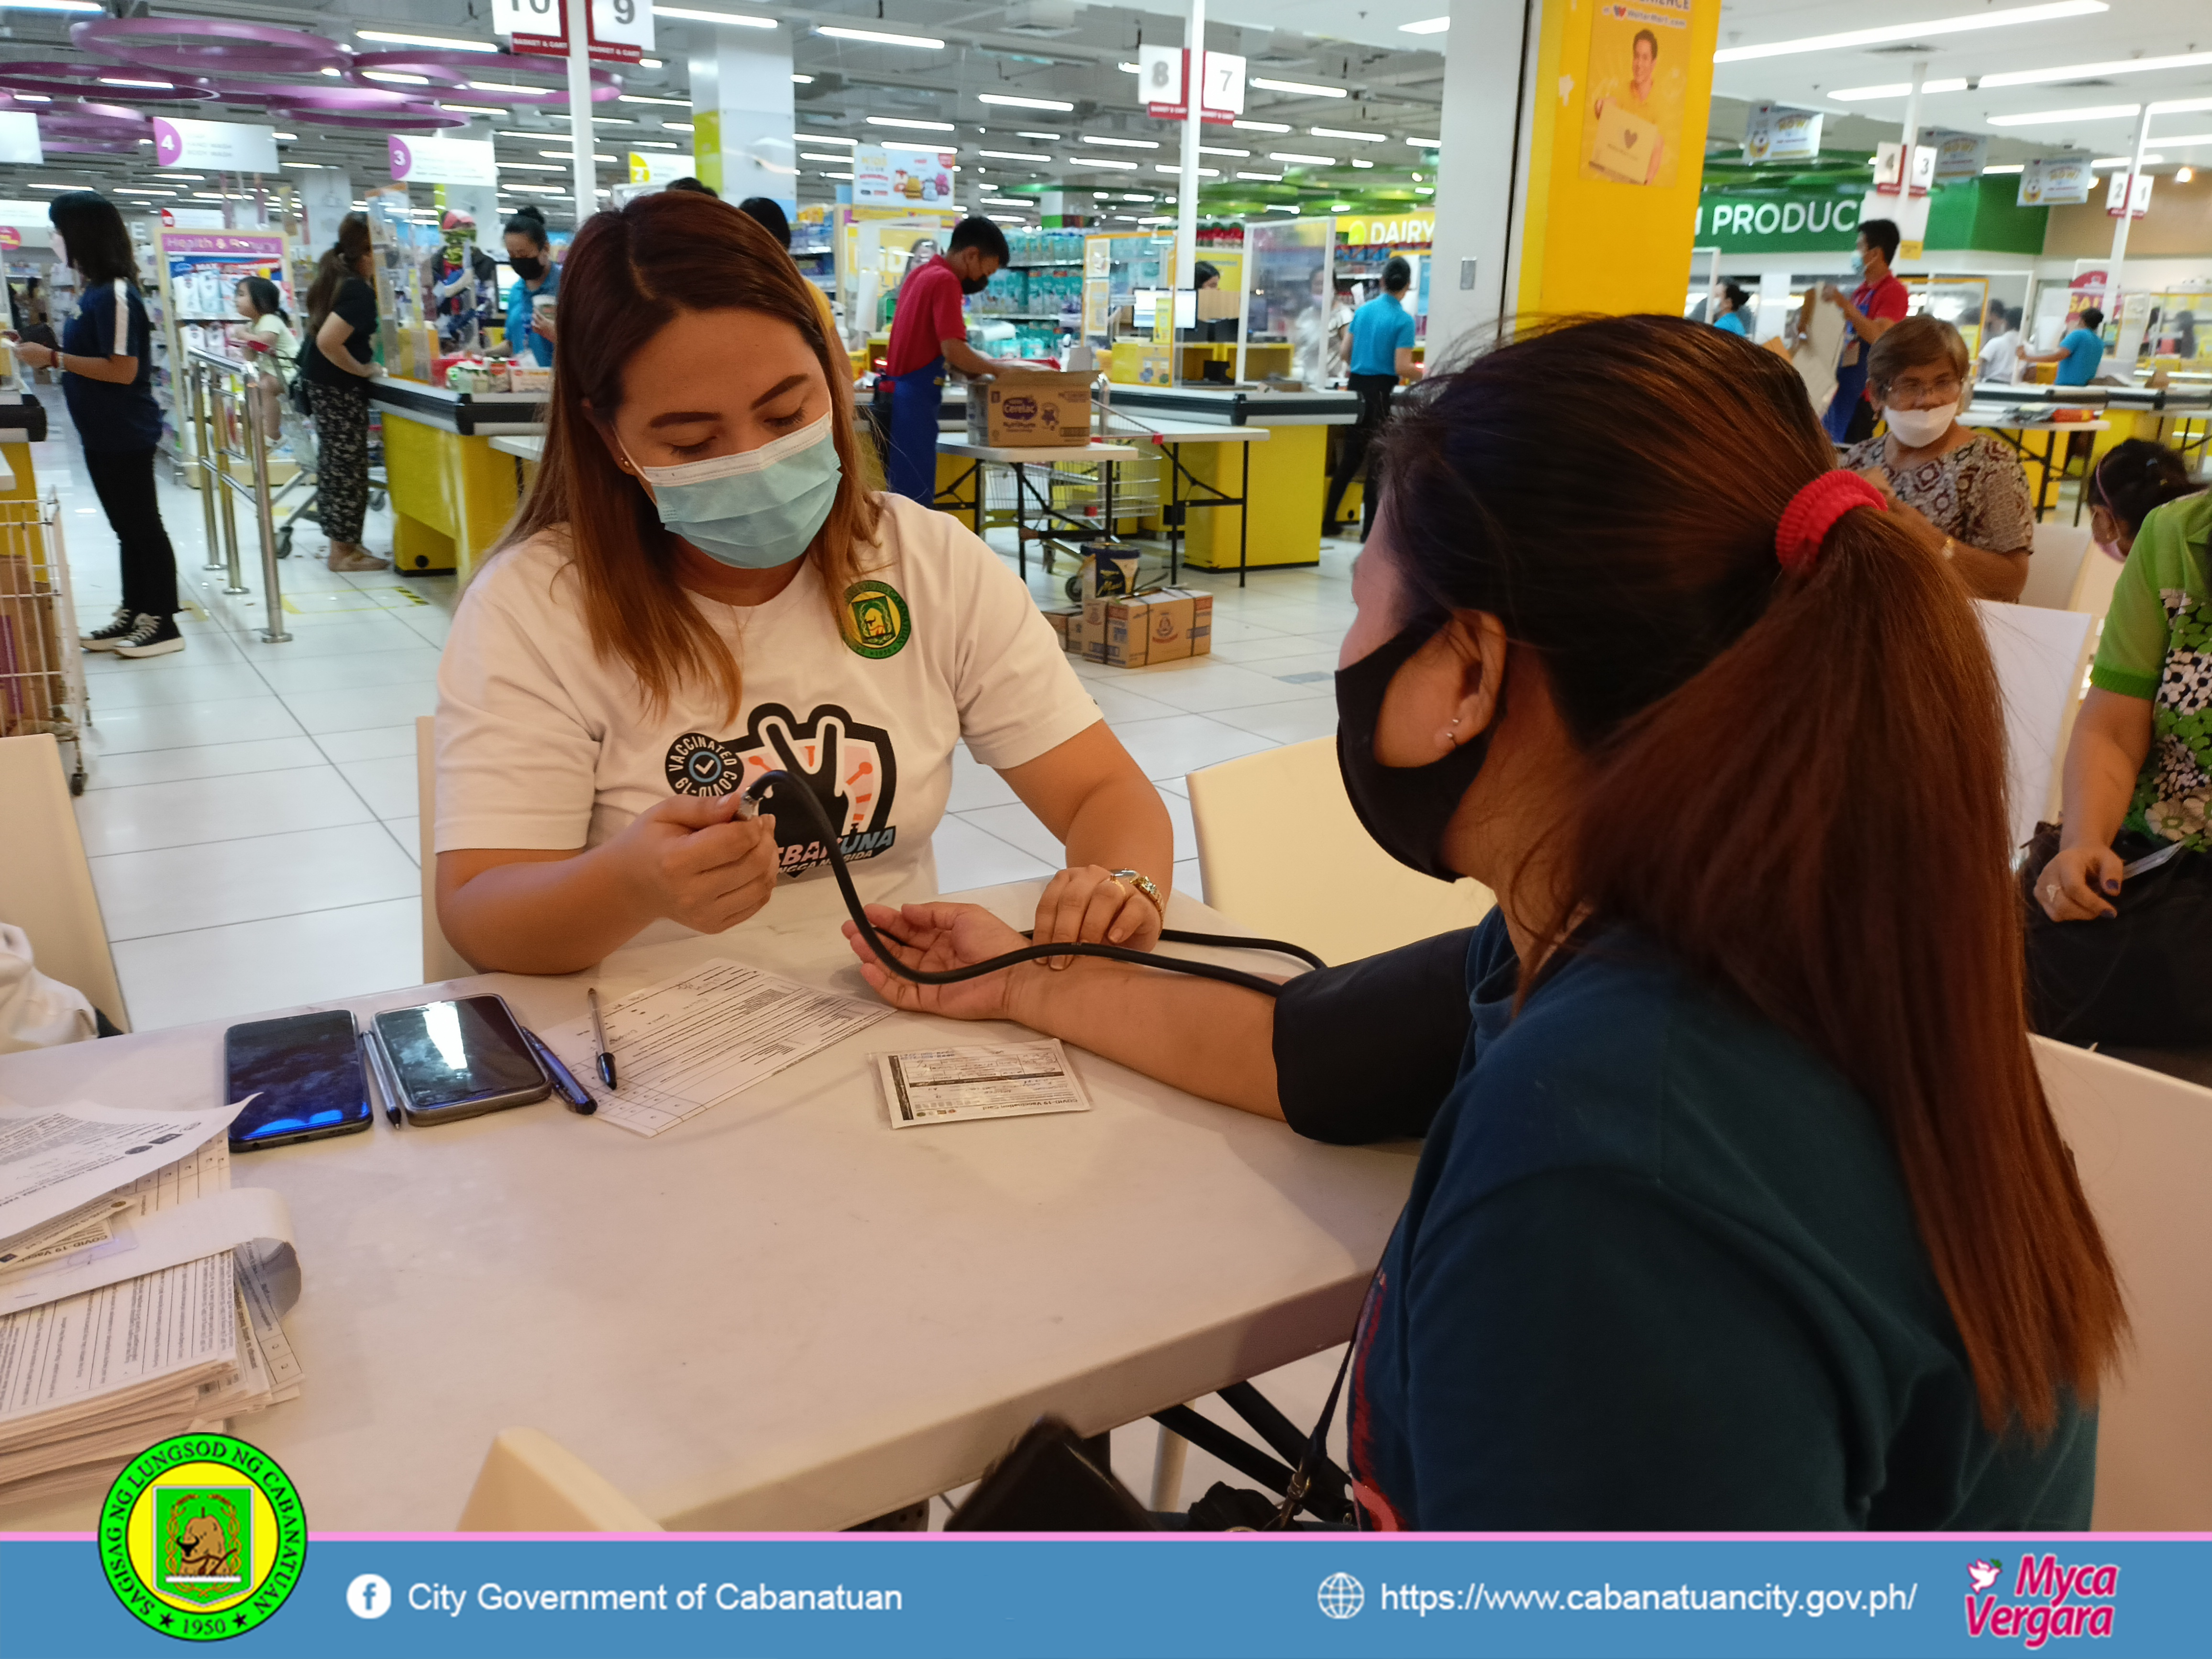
[1752, 220]
[1414, 230]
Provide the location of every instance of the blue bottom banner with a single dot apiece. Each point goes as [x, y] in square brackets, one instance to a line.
[2100, 1594]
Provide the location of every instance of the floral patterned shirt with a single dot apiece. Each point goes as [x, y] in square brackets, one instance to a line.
[2157, 645]
[1976, 493]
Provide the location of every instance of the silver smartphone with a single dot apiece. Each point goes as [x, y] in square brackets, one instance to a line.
[461, 1059]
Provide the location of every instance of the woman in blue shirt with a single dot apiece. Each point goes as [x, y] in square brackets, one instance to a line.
[536, 275]
[106, 362]
[1741, 1205]
[1726, 309]
[2081, 351]
[1382, 335]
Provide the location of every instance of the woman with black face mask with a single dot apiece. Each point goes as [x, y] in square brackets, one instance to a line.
[1740, 1205]
[529, 337]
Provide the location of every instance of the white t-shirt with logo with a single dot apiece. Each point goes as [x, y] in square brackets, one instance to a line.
[542, 744]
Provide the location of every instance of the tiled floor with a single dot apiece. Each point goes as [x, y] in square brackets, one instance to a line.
[251, 811]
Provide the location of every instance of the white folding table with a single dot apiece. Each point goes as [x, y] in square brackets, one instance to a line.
[1020, 458]
[781, 1313]
[1169, 440]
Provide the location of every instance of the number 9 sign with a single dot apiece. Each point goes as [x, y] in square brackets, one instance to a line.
[622, 23]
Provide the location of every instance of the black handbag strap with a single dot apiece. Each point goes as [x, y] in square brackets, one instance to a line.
[1315, 1458]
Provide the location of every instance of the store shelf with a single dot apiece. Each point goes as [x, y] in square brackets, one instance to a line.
[1069, 316]
[1049, 264]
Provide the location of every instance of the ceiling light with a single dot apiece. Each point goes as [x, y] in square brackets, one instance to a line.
[52, 5]
[1134, 196]
[327, 71]
[1119, 143]
[676, 126]
[393, 38]
[562, 153]
[466, 109]
[912, 143]
[642, 98]
[663, 143]
[285, 137]
[1346, 133]
[1426, 143]
[1101, 161]
[2085, 112]
[2184, 175]
[1875, 37]
[826, 138]
[1297, 160]
[537, 190]
[1427, 26]
[1892, 90]
[1003, 201]
[1261, 127]
[1047, 138]
[911, 124]
[1011, 100]
[1014, 155]
[2184, 139]
[1272, 208]
[813, 156]
[1203, 173]
[735, 20]
[1130, 69]
[1424, 189]
[1357, 163]
[881, 39]
[2122, 160]
[1305, 86]
[828, 174]
[2012, 166]
[305, 166]
[802, 80]
[2179, 106]
[1340, 207]
[648, 62]
[396, 77]
[1209, 149]
[1263, 178]
[534, 167]
[2095, 71]
[156, 86]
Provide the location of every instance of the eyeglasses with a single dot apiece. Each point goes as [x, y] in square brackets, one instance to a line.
[1923, 394]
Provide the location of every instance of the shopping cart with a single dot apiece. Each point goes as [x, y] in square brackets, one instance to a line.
[41, 665]
[294, 499]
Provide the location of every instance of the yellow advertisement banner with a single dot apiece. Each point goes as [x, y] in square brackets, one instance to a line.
[1638, 74]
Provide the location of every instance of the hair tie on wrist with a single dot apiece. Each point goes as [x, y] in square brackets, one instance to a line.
[1813, 511]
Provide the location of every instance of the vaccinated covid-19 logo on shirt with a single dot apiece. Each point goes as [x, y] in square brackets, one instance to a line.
[201, 1537]
[848, 765]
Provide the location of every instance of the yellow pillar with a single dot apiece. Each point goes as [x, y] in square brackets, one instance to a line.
[1604, 228]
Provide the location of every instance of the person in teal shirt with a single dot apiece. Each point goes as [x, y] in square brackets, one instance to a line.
[1382, 335]
[1739, 1204]
[535, 276]
[1726, 311]
[2081, 352]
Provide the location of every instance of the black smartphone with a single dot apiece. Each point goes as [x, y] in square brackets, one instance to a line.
[304, 1073]
[461, 1058]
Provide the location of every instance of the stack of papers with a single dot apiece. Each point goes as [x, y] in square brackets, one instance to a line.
[694, 1041]
[139, 1291]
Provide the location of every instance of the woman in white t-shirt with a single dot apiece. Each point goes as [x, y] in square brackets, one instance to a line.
[702, 587]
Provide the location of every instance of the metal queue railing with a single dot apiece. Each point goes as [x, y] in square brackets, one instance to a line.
[230, 448]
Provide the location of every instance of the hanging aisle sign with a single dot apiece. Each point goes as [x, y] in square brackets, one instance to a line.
[430, 159]
[1889, 165]
[19, 138]
[1961, 155]
[231, 145]
[1774, 133]
[2055, 181]
[2119, 199]
[621, 31]
[1160, 79]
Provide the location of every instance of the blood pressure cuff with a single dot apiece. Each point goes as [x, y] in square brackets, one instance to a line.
[1368, 1051]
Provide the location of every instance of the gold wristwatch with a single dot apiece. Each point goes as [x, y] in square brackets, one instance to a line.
[1143, 884]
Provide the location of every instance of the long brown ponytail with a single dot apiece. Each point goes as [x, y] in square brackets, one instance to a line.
[1798, 783]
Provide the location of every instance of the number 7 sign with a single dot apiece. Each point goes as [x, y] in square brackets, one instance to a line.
[1222, 92]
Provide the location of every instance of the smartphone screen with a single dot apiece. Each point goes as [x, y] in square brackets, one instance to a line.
[305, 1072]
[450, 1052]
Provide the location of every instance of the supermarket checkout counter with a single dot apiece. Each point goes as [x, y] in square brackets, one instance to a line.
[1288, 481]
[451, 493]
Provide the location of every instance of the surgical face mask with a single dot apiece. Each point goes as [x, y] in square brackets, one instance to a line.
[530, 269]
[1916, 429]
[755, 510]
[1858, 266]
[1405, 809]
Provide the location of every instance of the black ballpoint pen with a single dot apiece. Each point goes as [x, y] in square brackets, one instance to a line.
[599, 1036]
[564, 1080]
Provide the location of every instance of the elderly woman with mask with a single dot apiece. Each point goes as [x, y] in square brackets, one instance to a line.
[1959, 486]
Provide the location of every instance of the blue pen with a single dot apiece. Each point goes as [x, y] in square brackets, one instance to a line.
[564, 1082]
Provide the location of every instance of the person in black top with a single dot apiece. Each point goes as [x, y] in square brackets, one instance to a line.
[105, 361]
[337, 364]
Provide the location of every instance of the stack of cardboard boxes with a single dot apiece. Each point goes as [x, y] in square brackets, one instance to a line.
[32, 690]
[1036, 408]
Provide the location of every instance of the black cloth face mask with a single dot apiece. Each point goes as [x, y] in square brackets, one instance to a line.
[1405, 809]
[528, 268]
[974, 284]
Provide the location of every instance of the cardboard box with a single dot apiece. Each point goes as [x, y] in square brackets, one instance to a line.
[33, 691]
[1144, 631]
[1202, 620]
[1036, 409]
[1108, 570]
[1060, 619]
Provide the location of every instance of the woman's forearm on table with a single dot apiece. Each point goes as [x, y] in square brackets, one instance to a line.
[536, 913]
[1215, 1040]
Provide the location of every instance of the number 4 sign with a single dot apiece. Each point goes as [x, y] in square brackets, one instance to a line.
[621, 30]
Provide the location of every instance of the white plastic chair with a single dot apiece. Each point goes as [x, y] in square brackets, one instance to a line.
[530, 1482]
[46, 884]
[2092, 585]
[2041, 658]
[2054, 565]
[1281, 851]
[2143, 1142]
[439, 960]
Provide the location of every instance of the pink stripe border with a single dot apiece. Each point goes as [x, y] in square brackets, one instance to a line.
[916, 1538]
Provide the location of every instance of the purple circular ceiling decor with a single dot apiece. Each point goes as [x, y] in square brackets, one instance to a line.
[480, 77]
[200, 44]
[416, 118]
[331, 95]
[82, 119]
[87, 146]
[62, 79]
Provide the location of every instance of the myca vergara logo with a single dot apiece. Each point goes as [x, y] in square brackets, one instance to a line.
[203, 1537]
[2048, 1600]
[876, 621]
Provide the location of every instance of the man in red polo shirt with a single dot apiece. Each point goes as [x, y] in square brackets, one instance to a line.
[929, 332]
[1875, 306]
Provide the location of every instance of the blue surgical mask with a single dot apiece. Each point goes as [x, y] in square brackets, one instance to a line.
[757, 509]
[1858, 263]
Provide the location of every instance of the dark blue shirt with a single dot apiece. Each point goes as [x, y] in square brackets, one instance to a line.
[113, 418]
[1659, 1271]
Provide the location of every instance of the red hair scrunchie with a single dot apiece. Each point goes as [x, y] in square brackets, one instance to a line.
[1813, 511]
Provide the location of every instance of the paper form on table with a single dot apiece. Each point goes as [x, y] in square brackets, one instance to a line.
[694, 1041]
[52, 1158]
[1014, 1079]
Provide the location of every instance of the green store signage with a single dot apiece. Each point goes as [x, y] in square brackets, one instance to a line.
[1752, 220]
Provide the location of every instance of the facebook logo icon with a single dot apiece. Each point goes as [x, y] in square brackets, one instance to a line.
[369, 1596]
